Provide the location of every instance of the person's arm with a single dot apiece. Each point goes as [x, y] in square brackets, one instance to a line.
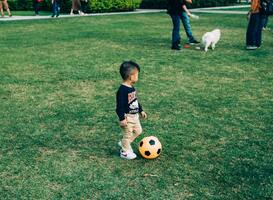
[255, 6]
[142, 113]
[186, 10]
[120, 109]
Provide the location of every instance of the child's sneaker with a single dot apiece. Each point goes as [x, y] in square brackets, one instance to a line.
[130, 148]
[129, 155]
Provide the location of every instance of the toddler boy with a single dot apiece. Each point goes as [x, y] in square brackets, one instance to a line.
[128, 108]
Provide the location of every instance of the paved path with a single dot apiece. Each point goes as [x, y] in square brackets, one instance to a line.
[138, 11]
[223, 7]
[218, 10]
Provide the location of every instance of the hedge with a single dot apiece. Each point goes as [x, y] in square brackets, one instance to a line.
[162, 4]
[93, 5]
[113, 5]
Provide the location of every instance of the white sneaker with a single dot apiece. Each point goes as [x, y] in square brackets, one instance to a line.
[130, 148]
[127, 155]
[251, 47]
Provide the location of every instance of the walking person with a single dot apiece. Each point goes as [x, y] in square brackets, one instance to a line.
[35, 4]
[6, 7]
[178, 11]
[55, 8]
[76, 6]
[186, 23]
[265, 22]
[84, 6]
[128, 108]
[255, 26]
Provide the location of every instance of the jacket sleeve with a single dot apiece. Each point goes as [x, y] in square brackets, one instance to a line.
[139, 108]
[121, 104]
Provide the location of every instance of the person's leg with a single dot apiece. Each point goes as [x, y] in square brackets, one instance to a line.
[126, 139]
[1, 9]
[175, 31]
[251, 30]
[259, 30]
[127, 151]
[58, 8]
[84, 5]
[53, 9]
[187, 26]
[265, 21]
[7, 8]
[79, 7]
[35, 7]
[137, 129]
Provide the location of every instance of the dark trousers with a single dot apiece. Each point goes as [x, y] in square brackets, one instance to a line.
[84, 6]
[254, 30]
[265, 21]
[55, 8]
[35, 4]
[176, 27]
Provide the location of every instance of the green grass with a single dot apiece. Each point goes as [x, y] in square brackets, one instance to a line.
[211, 111]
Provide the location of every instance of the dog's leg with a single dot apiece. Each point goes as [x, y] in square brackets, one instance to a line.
[206, 46]
[213, 46]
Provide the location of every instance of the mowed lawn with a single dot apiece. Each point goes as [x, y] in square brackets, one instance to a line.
[212, 112]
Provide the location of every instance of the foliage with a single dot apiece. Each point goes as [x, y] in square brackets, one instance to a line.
[93, 5]
[113, 5]
[195, 4]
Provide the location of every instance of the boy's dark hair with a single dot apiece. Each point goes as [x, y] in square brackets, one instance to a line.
[126, 69]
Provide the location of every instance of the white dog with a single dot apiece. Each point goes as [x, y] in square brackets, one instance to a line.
[211, 39]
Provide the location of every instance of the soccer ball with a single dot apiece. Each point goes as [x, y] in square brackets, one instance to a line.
[150, 147]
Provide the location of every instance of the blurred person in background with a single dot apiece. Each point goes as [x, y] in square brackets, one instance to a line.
[6, 7]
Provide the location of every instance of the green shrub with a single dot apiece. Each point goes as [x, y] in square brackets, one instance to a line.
[196, 3]
[45, 5]
[113, 5]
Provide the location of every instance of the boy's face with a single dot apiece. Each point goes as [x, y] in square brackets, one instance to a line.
[134, 76]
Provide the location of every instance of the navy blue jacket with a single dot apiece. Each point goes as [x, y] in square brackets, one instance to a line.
[127, 102]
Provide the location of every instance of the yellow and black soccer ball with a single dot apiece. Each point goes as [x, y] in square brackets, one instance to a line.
[150, 147]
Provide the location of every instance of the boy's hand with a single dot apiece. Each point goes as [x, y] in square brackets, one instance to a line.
[123, 123]
[143, 115]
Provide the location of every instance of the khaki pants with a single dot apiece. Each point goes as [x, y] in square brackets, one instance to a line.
[131, 131]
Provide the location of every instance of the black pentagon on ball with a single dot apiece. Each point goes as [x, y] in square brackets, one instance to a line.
[141, 143]
[152, 142]
[158, 151]
[147, 153]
